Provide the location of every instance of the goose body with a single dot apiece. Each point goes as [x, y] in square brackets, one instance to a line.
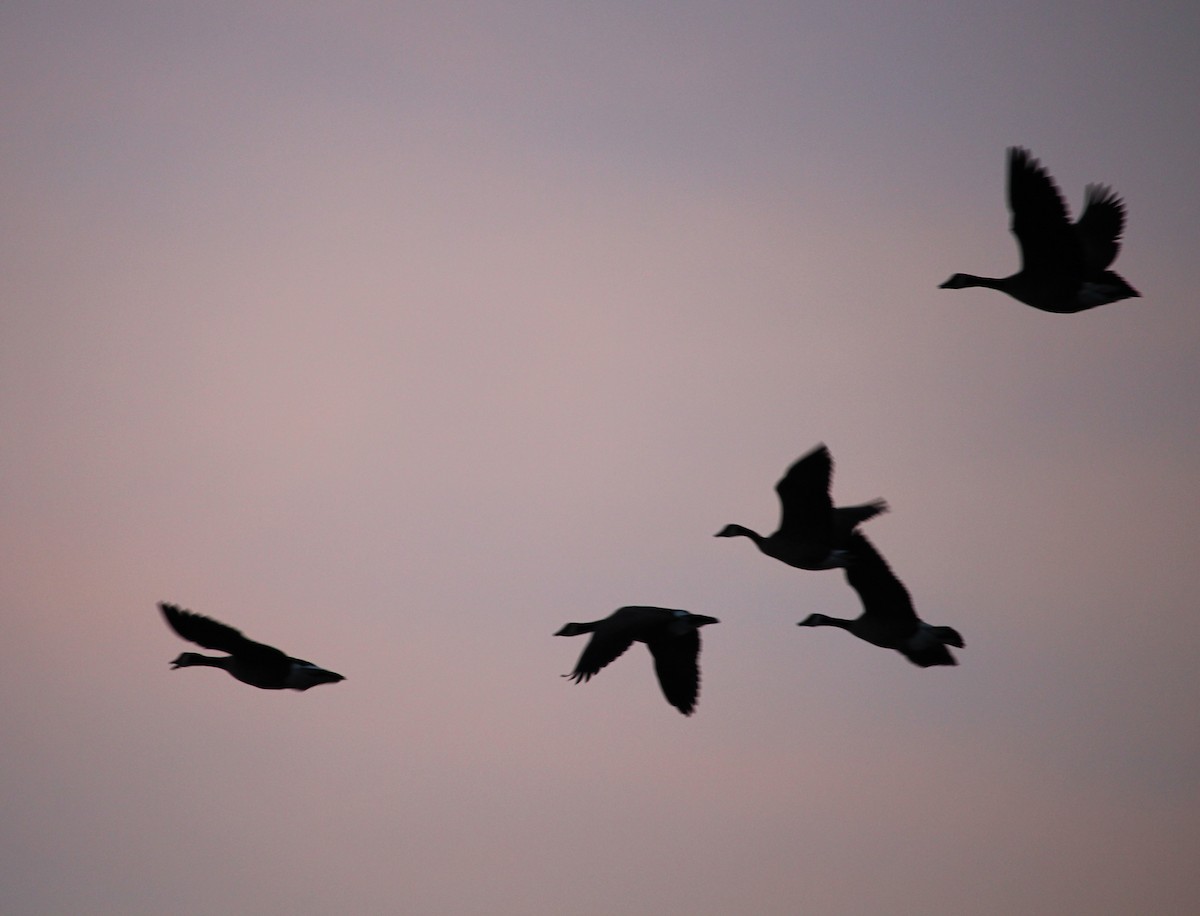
[250, 662]
[672, 637]
[888, 619]
[812, 534]
[1064, 265]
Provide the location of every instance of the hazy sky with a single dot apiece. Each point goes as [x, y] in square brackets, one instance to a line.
[398, 335]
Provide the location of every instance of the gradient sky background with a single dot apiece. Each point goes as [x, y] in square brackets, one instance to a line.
[400, 334]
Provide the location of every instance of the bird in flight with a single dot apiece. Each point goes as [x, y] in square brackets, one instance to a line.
[250, 662]
[1064, 265]
[888, 619]
[812, 533]
[672, 637]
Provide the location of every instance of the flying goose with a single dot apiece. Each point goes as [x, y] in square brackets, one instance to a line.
[673, 639]
[250, 662]
[812, 533]
[888, 618]
[1064, 265]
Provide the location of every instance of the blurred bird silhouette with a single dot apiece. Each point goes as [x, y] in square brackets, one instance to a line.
[672, 637]
[888, 619]
[1064, 265]
[812, 533]
[250, 662]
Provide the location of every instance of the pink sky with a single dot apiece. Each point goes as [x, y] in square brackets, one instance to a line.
[399, 336]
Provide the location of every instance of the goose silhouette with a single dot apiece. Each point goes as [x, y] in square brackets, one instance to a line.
[812, 533]
[888, 619]
[672, 637]
[250, 662]
[1064, 265]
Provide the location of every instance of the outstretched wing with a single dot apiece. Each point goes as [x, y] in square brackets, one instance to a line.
[677, 664]
[604, 647]
[807, 509]
[1099, 228]
[212, 634]
[883, 596]
[1039, 217]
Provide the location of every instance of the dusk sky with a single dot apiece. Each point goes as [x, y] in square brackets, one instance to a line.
[399, 335]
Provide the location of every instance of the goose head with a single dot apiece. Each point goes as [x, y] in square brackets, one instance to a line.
[815, 620]
[961, 281]
[573, 629]
[733, 531]
[187, 660]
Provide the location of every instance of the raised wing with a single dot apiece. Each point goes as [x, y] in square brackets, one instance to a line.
[1045, 235]
[676, 662]
[1099, 228]
[211, 634]
[883, 596]
[807, 509]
